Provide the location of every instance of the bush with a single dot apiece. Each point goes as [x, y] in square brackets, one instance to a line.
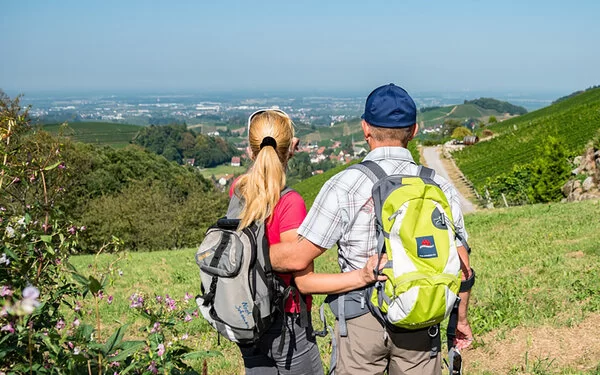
[540, 181]
[42, 297]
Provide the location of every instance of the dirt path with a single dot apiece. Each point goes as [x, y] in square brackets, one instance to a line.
[432, 159]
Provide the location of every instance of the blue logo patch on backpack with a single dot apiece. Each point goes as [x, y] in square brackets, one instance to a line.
[426, 247]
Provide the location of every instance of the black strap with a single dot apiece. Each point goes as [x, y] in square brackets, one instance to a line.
[452, 324]
[467, 284]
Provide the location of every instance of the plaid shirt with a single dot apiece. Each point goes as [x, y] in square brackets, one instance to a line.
[343, 211]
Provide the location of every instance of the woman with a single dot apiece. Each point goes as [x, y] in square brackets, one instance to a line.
[271, 144]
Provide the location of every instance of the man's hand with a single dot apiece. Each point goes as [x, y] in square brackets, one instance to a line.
[464, 336]
[367, 273]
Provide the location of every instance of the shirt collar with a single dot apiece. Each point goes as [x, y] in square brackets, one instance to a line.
[387, 152]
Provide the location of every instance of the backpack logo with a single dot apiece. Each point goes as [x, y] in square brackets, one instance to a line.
[426, 247]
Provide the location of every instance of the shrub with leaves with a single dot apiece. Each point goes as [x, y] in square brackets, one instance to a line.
[44, 301]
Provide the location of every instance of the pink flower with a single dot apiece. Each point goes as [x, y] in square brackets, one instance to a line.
[187, 318]
[5, 291]
[155, 327]
[61, 166]
[136, 301]
[8, 328]
[185, 336]
[72, 229]
[82, 228]
[161, 350]
[187, 297]
[158, 299]
[77, 306]
[195, 313]
[100, 294]
[76, 322]
[60, 324]
[152, 368]
[70, 345]
[109, 299]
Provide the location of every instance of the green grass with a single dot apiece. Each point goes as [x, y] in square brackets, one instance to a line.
[99, 133]
[574, 122]
[526, 275]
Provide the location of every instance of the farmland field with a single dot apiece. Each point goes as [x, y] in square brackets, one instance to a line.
[573, 122]
[98, 133]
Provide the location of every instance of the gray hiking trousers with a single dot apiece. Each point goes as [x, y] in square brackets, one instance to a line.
[300, 354]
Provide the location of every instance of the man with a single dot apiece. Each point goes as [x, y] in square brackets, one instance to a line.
[343, 213]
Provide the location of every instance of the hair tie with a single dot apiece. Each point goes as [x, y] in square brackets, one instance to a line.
[268, 141]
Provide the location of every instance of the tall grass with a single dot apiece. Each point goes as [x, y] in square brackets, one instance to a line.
[536, 265]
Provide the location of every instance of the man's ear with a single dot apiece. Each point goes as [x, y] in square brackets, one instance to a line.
[415, 130]
[366, 128]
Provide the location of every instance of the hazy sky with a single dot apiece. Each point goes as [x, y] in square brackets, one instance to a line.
[299, 45]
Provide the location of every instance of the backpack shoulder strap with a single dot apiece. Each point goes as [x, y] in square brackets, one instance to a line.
[425, 173]
[371, 169]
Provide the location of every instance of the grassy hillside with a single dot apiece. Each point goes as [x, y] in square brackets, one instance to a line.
[536, 266]
[573, 121]
[98, 133]
[458, 112]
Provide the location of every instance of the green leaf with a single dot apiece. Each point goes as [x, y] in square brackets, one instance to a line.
[127, 352]
[94, 285]
[10, 253]
[46, 238]
[114, 340]
[50, 167]
[27, 218]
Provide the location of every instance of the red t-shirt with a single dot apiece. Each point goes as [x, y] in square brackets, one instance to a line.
[289, 213]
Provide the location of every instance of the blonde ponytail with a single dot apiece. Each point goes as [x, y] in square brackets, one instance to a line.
[261, 186]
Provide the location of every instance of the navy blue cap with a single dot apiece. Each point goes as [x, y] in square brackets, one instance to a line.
[390, 106]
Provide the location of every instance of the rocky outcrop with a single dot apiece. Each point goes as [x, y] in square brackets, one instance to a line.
[585, 183]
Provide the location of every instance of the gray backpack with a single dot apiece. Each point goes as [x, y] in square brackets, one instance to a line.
[240, 294]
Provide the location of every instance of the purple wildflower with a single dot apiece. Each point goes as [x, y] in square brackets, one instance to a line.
[161, 350]
[109, 299]
[8, 328]
[61, 166]
[60, 324]
[187, 297]
[158, 299]
[5, 291]
[136, 301]
[72, 229]
[77, 306]
[152, 368]
[187, 318]
[185, 336]
[155, 327]
[82, 228]
[76, 322]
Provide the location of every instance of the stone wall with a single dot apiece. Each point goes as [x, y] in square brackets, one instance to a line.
[585, 183]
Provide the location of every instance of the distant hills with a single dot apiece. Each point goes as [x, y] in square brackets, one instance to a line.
[478, 109]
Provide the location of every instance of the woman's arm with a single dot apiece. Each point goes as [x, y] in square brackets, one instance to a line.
[309, 282]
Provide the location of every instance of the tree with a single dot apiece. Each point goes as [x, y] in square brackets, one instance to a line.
[461, 132]
[492, 120]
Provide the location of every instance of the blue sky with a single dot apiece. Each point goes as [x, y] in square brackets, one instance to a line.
[529, 46]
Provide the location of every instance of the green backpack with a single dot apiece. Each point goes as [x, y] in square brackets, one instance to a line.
[415, 229]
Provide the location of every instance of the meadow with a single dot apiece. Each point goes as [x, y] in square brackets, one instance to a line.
[537, 269]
